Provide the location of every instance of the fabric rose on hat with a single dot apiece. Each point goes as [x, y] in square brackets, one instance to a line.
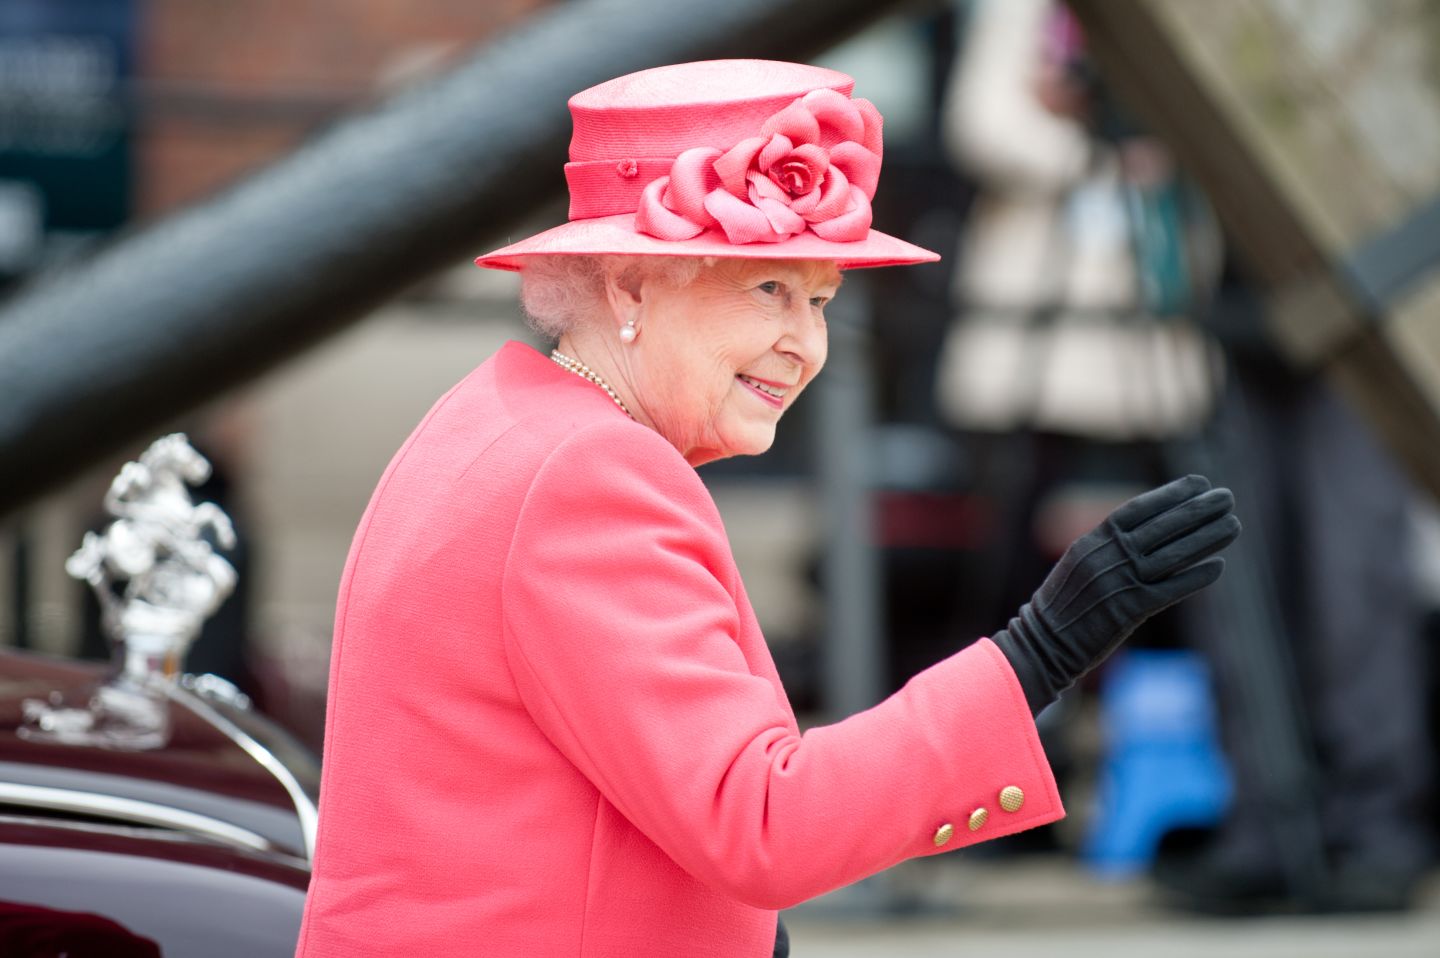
[814, 165]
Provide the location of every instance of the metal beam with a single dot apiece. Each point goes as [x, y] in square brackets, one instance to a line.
[102, 354]
[1350, 262]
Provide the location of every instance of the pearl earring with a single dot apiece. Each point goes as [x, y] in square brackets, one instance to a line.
[628, 332]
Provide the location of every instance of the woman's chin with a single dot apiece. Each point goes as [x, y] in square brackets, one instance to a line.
[754, 441]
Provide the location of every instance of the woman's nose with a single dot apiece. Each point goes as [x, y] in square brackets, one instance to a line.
[806, 337]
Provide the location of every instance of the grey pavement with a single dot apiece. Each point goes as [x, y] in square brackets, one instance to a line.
[1033, 906]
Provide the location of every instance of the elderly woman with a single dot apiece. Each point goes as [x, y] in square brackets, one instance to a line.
[554, 727]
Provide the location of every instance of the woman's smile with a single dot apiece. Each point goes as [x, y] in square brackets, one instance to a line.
[771, 393]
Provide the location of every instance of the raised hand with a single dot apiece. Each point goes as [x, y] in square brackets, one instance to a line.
[1148, 554]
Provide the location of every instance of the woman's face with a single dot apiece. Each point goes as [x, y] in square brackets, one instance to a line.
[718, 361]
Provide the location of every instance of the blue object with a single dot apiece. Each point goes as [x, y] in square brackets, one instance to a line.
[1163, 767]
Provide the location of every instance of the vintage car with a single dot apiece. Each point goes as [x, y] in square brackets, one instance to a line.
[199, 847]
[145, 811]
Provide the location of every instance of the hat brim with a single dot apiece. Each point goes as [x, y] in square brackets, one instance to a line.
[616, 235]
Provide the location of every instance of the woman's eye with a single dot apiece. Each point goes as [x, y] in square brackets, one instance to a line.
[819, 301]
[770, 288]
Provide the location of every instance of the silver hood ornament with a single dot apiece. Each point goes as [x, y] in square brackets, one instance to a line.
[158, 578]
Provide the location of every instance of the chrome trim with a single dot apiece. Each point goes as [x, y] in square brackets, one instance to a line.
[305, 809]
[214, 688]
[130, 810]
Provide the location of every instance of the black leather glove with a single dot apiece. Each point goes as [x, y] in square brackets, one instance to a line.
[1149, 553]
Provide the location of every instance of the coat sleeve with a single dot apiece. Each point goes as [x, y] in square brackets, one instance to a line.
[621, 625]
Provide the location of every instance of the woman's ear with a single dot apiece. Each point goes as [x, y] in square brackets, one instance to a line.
[625, 292]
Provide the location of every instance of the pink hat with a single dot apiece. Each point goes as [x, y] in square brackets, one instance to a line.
[734, 158]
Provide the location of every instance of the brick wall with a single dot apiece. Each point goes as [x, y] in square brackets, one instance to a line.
[227, 85]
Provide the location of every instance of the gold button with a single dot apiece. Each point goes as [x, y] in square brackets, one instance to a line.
[978, 818]
[1011, 798]
[943, 833]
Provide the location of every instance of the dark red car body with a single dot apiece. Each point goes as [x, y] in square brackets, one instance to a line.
[199, 848]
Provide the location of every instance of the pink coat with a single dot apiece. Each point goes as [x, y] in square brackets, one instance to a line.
[555, 729]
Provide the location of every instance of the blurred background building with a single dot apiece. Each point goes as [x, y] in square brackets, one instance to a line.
[116, 112]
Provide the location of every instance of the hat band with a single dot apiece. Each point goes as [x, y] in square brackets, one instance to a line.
[812, 166]
[610, 187]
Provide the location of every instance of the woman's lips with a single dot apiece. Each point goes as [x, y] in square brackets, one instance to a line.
[772, 393]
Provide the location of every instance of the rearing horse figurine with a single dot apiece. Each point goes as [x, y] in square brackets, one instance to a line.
[158, 577]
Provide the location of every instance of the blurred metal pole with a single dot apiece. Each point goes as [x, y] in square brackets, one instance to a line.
[852, 659]
[852, 663]
[103, 354]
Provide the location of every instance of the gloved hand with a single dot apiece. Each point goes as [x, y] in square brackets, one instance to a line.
[1149, 553]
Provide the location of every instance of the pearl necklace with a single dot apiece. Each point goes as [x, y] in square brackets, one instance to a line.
[585, 372]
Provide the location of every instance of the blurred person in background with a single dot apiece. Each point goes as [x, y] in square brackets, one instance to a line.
[1334, 515]
[1084, 261]
[554, 727]
[1070, 358]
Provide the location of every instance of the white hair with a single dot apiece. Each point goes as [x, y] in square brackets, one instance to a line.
[559, 292]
